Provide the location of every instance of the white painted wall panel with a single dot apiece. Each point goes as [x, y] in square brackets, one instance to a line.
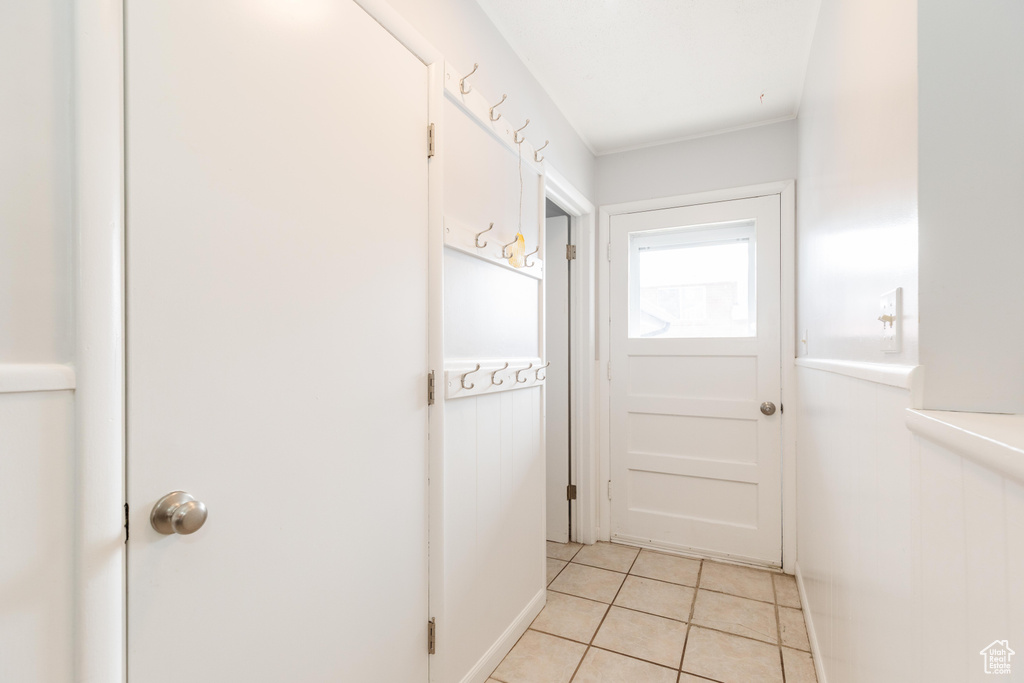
[502, 323]
[909, 553]
[857, 220]
[746, 157]
[494, 472]
[35, 182]
[971, 204]
[494, 511]
[36, 326]
[36, 537]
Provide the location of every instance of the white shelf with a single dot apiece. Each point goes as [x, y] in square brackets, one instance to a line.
[993, 440]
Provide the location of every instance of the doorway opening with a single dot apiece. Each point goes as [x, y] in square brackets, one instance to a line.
[558, 402]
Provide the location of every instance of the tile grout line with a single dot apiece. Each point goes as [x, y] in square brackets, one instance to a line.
[606, 613]
[659, 616]
[689, 622]
[674, 583]
[696, 589]
[778, 628]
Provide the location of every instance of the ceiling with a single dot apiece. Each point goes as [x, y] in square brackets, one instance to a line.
[634, 73]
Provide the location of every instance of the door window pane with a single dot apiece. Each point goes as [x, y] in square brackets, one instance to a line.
[697, 281]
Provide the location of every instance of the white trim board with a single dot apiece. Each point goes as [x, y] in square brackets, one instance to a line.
[992, 440]
[582, 310]
[25, 377]
[901, 376]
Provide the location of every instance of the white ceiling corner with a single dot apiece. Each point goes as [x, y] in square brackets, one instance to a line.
[635, 73]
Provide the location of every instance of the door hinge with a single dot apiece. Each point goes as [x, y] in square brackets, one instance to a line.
[570, 492]
[431, 636]
[570, 252]
[609, 251]
[609, 489]
[782, 408]
[430, 388]
[126, 522]
[609, 370]
[430, 141]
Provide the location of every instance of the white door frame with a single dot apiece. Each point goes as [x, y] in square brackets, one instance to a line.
[100, 628]
[787, 192]
[582, 291]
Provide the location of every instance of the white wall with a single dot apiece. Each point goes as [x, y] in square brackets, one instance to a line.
[35, 182]
[857, 187]
[744, 157]
[36, 327]
[910, 554]
[464, 34]
[858, 482]
[972, 204]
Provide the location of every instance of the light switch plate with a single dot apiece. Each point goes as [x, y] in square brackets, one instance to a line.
[891, 319]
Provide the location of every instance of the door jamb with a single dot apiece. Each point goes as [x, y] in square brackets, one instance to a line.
[582, 425]
[786, 190]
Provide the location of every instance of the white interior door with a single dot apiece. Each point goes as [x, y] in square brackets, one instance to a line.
[695, 347]
[277, 349]
[556, 401]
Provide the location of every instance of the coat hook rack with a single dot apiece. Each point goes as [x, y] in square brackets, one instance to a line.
[515, 136]
[462, 81]
[505, 375]
[526, 369]
[536, 156]
[498, 383]
[526, 259]
[477, 242]
[536, 374]
[491, 110]
[467, 374]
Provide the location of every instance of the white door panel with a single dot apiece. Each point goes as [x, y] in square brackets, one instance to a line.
[277, 351]
[556, 402]
[695, 350]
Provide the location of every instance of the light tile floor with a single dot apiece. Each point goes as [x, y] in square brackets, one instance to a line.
[617, 614]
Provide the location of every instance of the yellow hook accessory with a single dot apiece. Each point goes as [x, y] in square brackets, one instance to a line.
[517, 252]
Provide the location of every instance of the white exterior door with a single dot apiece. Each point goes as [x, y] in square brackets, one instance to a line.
[556, 400]
[695, 348]
[277, 348]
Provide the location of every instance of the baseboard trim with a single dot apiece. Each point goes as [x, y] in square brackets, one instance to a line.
[812, 635]
[492, 658]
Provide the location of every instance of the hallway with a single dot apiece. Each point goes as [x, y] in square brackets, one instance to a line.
[616, 614]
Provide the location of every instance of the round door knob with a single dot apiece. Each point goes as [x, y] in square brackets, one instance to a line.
[178, 513]
[768, 408]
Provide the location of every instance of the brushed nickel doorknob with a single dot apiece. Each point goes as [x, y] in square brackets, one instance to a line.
[178, 513]
[768, 408]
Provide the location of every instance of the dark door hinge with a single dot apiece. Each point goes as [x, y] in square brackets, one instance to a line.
[430, 388]
[570, 251]
[430, 141]
[570, 491]
[126, 522]
[431, 636]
